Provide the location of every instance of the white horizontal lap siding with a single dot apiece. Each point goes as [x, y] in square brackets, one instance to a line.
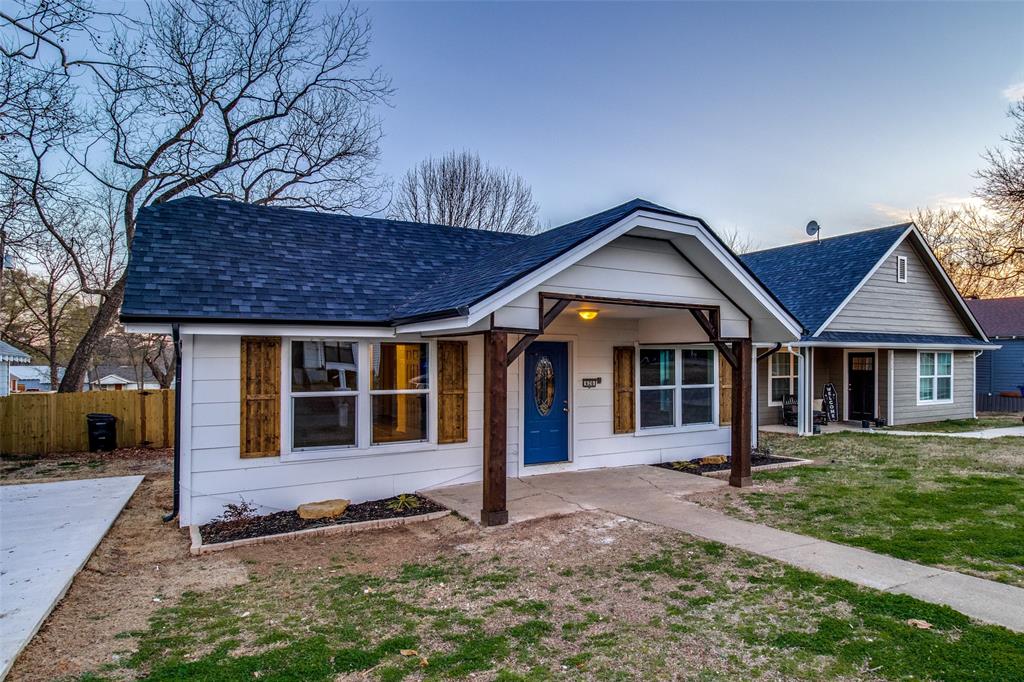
[218, 475]
[906, 409]
[594, 443]
[628, 268]
[917, 306]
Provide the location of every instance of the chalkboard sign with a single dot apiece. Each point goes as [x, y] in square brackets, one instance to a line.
[831, 403]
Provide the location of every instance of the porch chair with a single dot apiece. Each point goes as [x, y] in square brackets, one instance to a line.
[789, 410]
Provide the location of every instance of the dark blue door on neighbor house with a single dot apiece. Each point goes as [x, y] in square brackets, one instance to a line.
[546, 402]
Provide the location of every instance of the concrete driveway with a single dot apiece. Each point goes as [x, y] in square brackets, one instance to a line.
[47, 533]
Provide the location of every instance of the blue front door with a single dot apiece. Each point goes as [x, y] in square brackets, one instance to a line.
[546, 401]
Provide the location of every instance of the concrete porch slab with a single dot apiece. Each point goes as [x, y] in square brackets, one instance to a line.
[534, 497]
[49, 531]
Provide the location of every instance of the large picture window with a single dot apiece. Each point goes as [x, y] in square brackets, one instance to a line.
[399, 388]
[934, 377]
[783, 368]
[324, 393]
[677, 387]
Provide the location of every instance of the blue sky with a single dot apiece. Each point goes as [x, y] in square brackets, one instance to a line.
[754, 116]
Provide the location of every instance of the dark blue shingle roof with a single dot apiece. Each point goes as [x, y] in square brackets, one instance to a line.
[879, 338]
[813, 278]
[211, 259]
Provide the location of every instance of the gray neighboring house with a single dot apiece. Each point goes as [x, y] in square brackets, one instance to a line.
[884, 325]
[9, 355]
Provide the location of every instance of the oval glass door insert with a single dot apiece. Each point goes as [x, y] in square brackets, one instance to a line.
[544, 385]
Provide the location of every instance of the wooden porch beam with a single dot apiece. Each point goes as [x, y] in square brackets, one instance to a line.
[517, 350]
[726, 352]
[546, 318]
[493, 511]
[742, 381]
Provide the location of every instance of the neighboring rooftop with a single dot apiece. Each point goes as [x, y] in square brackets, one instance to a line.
[999, 317]
[215, 259]
[9, 353]
[813, 278]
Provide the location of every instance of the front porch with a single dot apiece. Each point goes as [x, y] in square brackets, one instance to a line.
[649, 380]
[547, 495]
[808, 389]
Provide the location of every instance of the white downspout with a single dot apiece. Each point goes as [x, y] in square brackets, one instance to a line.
[890, 389]
[974, 367]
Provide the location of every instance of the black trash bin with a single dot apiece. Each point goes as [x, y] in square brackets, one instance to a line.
[102, 431]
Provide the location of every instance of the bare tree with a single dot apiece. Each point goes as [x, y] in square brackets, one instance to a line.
[49, 313]
[459, 189]
[739, 241]
[154, 351]
[980, 252]
[982, 247]
[1002, 181]
[254, 100]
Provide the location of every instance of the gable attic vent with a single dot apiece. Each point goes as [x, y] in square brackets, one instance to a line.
[901, 268]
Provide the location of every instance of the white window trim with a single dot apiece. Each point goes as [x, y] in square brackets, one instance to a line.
[901, 269]
[677, 388]
[793, 377]
[364, 412]
[935, 377]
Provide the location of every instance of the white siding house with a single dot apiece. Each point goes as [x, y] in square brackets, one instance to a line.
[658, 287]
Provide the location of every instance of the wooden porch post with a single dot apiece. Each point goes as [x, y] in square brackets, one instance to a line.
[494, 512]
[742, 381]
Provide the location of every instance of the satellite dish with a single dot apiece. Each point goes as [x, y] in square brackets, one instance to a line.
[813, 228]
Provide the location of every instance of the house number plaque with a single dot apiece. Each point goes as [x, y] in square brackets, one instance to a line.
[591, 382]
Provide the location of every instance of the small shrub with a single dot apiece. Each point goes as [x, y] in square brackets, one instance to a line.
[404, 502]
[237, 515]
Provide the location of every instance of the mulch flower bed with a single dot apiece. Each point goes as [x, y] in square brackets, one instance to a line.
[695, 467]
[288, 521]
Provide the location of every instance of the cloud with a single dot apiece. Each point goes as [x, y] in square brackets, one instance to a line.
[1014, 92]
[935, 202]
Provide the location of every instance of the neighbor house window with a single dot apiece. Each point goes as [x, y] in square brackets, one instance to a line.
[324, 392]
[399, 387]
[783, 370]
[677, 387]
[935, 377]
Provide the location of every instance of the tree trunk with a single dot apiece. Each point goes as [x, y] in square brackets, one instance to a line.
[80, 360]
[54, 366]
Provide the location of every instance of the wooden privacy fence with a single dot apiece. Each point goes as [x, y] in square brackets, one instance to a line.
[38, 423]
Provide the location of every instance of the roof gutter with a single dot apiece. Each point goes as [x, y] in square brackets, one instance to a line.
[771, 351]
[176, 504]
[890, 344]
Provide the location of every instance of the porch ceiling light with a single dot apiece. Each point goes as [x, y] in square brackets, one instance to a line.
[587, 314]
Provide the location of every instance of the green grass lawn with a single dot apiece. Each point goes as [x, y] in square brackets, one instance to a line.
[591, 597]
[961, 425]
[953, 503]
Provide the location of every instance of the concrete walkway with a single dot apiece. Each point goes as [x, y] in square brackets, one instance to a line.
[851, 427]
[657, 496]
[984, 434]
[47, 533]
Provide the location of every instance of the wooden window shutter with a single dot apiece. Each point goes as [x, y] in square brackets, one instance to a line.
[261, 397]
[452, 392]
[624, 400]
[724, 391]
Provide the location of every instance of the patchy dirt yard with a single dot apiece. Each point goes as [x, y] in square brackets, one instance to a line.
[69, 465]
[588, 596]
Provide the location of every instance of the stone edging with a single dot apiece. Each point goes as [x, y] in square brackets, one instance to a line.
[199, 548]
[795, 462]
